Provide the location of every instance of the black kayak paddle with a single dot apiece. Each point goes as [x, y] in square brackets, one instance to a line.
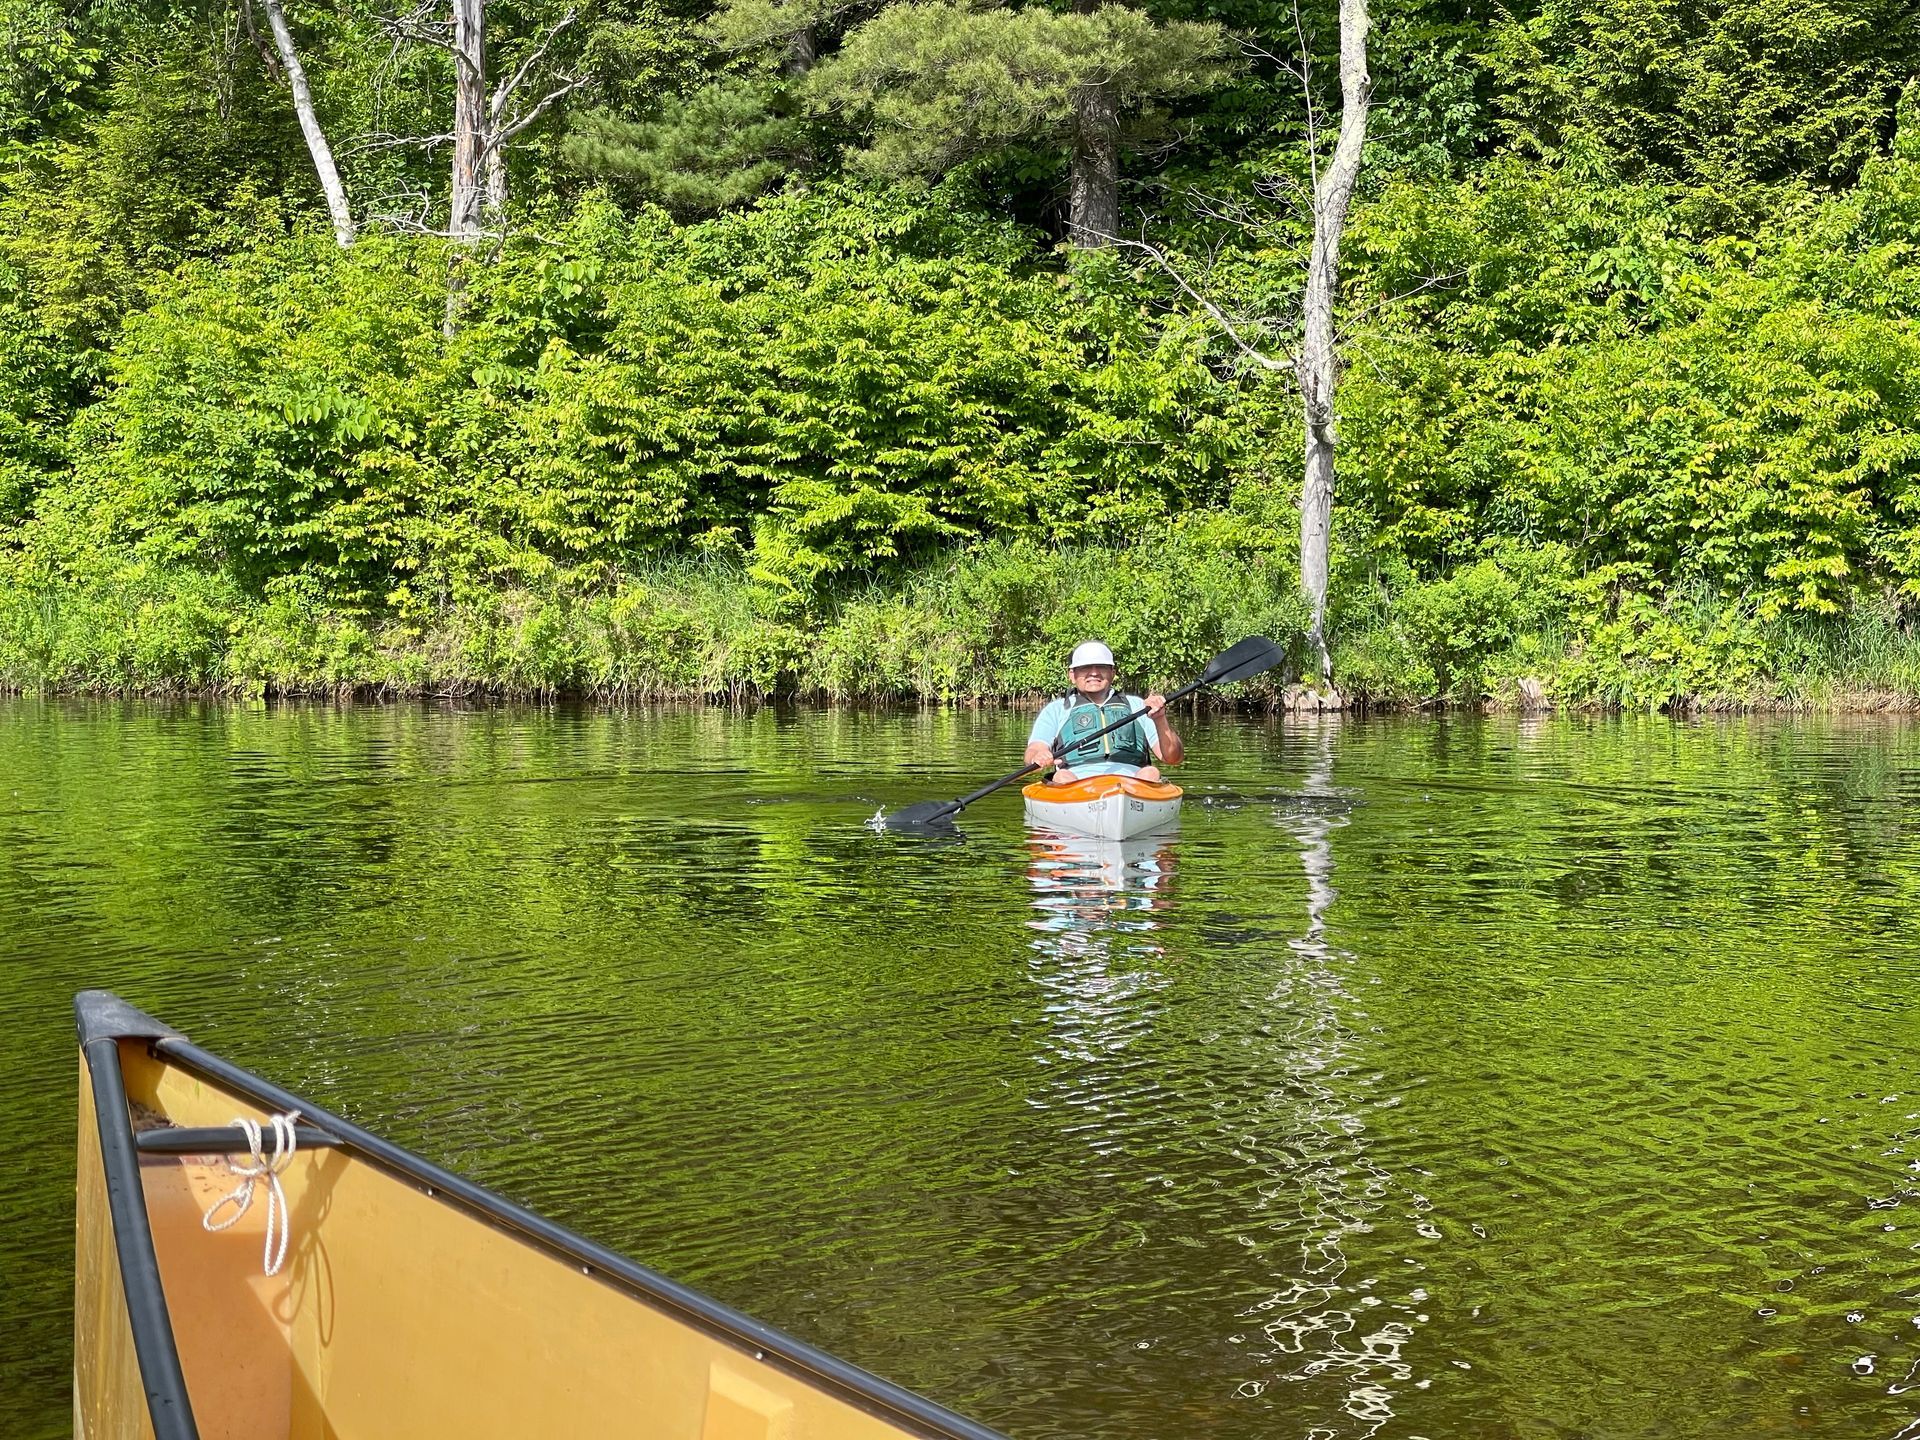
[1253, 656]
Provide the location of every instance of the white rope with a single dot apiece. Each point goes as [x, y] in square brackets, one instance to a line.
[261, 1167]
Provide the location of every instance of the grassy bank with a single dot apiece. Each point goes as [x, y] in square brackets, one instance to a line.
[985, 624]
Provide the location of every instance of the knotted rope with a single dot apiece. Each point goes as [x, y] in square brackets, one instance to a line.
[260, 1167]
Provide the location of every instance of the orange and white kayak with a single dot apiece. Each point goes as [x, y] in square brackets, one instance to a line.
[1107, 807]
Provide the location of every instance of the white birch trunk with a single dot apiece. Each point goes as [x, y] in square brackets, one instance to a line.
[471, 128]
[330, 186]
[1317, 368]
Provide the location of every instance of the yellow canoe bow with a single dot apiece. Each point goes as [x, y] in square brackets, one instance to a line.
[410, 1302]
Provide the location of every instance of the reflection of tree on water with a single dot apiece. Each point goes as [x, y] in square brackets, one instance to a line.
[1317, 1320]
[1233, 1170]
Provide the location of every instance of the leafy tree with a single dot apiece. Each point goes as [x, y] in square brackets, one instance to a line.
[46, 62]
[930, 85]
[188, 153]
[1724, 97]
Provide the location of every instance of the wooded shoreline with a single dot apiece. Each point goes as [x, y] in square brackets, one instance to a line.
[729, 350]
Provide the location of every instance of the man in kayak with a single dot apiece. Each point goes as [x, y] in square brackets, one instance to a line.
[1094, 702]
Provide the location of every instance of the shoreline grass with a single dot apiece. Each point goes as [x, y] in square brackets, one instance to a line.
[984, 626]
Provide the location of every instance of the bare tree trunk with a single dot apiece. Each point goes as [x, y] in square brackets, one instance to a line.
[803, 48]
[495, 122]
[1317, 367]
[482, 127]
[330, 186]
[470, 127]
[497, 194]
[471, 132]
[1093, 184]
[1093, 174]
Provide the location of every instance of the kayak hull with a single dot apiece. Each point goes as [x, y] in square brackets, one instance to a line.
[1105, 807]
[411, 1302]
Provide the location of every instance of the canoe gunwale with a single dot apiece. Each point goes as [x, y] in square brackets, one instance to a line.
[168, 1405]
[764, 1343]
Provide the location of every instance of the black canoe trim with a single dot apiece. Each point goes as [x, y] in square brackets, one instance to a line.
[221, 1140]
[857, 1387]
[102, 1015]
[153, 1342]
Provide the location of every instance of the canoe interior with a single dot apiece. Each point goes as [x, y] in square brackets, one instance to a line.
[398, 1313]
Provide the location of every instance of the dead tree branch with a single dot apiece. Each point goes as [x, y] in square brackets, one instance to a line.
[1229, 326]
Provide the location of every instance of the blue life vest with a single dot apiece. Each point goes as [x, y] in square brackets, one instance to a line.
[1126, 746]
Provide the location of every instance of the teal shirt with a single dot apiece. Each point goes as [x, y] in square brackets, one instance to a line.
[1047, 725]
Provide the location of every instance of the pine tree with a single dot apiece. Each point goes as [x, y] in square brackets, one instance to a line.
[720, 147]
[943, 81]
[923, 86]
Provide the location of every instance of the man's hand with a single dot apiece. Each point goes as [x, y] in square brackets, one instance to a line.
[1171, 751]
[1040, 753]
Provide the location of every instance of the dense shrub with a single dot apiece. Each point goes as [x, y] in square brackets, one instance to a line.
[1743, 416]
[1585, 440]
[831, 385]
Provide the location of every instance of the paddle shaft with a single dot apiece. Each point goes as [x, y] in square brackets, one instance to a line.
[1031, 766]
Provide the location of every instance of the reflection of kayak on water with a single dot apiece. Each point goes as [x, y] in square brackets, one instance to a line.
[1087, 884]
[1140, 864]
[1107, 807]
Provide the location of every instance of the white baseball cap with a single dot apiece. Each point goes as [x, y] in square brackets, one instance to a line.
[1090, 652]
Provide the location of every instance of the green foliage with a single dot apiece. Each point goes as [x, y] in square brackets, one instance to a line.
[262, 440]
[944, 82]
[716, 149]
[1632, 316]
[1640, 653]
[778, 381]
[45, 66]
[1722, 98]
[1739, 415]
[126, 628]
[992, 621]
[1457, 627]
[190, 156]
[37, 390]
[672, 630]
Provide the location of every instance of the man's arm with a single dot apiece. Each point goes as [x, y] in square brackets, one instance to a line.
[1165, 740]
[1040, 742]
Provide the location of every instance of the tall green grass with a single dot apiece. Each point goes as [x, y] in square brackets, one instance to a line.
[992, 622]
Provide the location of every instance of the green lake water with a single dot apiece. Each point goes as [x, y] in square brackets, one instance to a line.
[1438, 1078]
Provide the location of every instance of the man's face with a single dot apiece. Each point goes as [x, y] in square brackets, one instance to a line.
[1092, 679]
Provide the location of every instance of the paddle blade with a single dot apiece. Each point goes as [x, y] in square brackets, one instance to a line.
[1253, 656]
[927, 815]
